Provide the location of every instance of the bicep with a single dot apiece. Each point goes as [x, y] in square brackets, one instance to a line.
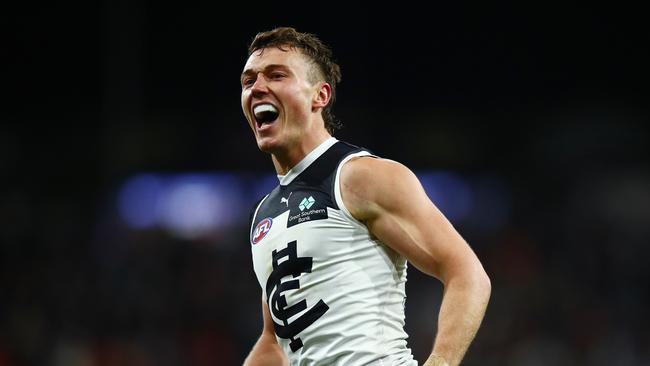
[397, 211]
[422, 234]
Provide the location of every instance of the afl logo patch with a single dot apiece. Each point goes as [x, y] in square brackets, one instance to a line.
[261, 230]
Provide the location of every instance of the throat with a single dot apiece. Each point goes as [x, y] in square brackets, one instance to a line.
[303, 152]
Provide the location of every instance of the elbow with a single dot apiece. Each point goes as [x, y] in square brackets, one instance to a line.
[478, 282]
[484, 284]
[472, 279]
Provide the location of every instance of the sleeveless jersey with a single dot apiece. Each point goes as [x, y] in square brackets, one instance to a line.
[335, 293]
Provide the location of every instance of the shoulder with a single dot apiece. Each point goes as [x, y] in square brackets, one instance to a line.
[375, 173]
[369, 183]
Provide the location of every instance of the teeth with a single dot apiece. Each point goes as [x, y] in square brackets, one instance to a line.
[264, 108]
[265, 113]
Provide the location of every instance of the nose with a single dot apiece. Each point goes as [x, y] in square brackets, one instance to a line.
[260, 86]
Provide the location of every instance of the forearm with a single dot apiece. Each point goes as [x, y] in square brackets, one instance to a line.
[266, 352]
[461, 312]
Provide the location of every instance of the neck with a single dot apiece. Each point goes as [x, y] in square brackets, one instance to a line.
[285, 160]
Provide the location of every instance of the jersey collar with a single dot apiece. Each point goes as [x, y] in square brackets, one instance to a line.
[306, 161]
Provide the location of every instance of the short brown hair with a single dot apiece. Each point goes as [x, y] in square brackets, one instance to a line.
[312, 47]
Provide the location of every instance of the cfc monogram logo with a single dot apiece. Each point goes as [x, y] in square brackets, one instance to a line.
[287, 263]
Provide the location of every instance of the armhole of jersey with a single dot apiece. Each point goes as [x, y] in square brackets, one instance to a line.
[337, 185]
[250, 233]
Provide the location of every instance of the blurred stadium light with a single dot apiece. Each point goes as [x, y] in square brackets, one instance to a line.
[193, 205]
[187, 205]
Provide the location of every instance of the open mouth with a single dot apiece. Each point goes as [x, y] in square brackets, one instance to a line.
[265, 113]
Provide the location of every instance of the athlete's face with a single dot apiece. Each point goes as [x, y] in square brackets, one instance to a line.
[278, 97]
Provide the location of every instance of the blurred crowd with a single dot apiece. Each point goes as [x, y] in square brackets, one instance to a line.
[568, 268]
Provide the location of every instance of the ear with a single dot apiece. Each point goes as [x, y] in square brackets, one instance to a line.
[322, 96]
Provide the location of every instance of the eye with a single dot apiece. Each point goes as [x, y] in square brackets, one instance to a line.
[247, 81]
[277, 75]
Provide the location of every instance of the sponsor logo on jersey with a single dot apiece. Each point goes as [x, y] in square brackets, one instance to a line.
[306, 203]
[309, 209]
[286, 200]
[261, 230]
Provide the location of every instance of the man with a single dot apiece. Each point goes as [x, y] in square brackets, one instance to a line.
[331, 242]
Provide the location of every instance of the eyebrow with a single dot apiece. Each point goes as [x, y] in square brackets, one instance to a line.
[266, 68]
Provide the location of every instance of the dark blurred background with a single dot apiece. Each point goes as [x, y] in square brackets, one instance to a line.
[128, 171]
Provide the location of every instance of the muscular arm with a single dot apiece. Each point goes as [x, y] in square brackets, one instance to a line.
[388, 198]
[267, 351]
